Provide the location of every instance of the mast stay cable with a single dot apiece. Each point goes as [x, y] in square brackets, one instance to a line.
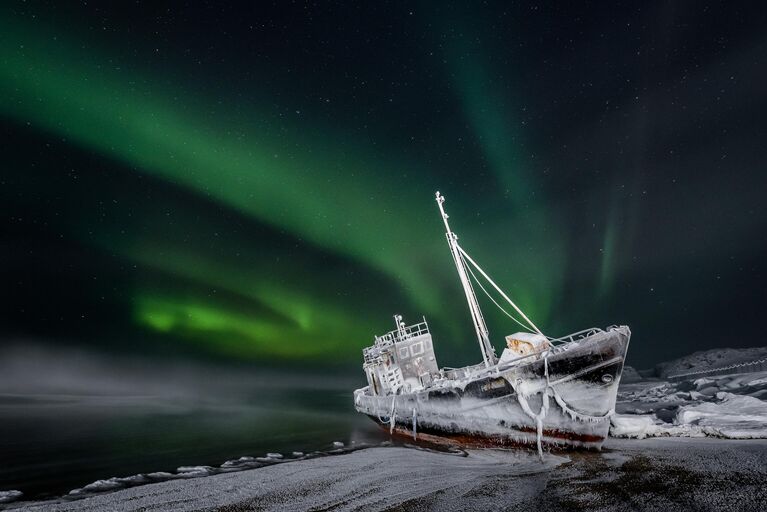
[482, 272]
[474, 277]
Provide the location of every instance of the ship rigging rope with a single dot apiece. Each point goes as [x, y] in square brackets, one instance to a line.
[465, 256]
[491, 297]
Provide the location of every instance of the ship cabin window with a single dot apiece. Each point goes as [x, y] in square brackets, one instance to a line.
[416, 349]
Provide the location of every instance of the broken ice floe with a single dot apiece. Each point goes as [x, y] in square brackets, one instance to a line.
[728, 406]
[193, 471]
[9, 496]
[116, 483]
[185, 472]
[733, 416]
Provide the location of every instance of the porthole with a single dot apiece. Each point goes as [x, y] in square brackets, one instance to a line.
[607, 378]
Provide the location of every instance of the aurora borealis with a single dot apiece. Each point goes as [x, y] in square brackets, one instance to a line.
[255, 184]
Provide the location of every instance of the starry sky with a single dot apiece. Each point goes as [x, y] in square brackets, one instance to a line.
[254, 184]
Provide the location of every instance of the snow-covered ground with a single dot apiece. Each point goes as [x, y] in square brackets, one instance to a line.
[730, 406]
[646, 475]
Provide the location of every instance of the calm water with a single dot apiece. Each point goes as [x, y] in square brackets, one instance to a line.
[53, 444]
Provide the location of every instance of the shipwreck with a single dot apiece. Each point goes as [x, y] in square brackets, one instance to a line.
[541, 390]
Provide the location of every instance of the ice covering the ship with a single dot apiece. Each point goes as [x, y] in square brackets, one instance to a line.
[497, 400]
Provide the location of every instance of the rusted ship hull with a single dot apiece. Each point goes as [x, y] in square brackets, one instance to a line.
[564, 397]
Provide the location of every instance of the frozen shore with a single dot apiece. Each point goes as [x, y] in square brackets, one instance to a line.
[695, 442]
[725, 406]
[649, 474]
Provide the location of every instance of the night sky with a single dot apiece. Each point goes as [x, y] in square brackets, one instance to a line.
[254, 184]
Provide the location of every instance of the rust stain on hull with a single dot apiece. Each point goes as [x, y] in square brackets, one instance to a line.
[568, 439]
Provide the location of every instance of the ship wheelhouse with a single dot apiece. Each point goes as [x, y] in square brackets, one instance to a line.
[401, 360]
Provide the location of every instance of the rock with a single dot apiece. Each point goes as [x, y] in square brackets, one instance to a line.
[709, 391]
[667, 414]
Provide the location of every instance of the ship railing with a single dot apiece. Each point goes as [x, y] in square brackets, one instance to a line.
[576, 336]
[411, 331]
[372, 355]
[462, 373]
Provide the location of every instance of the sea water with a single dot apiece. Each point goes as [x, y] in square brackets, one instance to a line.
[53, 444]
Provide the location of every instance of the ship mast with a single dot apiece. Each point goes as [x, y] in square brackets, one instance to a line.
[488, 353]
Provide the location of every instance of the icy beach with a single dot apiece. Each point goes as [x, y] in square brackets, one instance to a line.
[649, 474]
[696, 441]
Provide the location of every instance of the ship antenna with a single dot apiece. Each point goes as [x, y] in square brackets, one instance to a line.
[488, 353]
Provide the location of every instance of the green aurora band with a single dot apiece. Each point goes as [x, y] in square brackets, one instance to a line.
[307, 185]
